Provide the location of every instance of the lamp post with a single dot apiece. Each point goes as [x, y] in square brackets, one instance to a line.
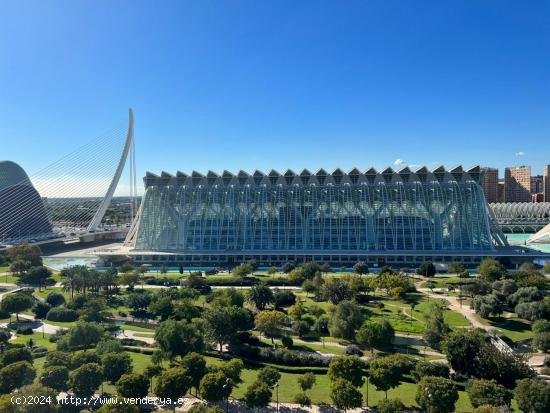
[225, 386]
[367, 391]
[277, 393]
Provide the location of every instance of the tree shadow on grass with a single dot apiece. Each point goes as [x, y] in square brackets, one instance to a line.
[512, 325]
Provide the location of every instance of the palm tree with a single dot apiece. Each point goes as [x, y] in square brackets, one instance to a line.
[74, 278]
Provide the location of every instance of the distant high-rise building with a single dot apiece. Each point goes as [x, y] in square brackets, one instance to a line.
[490, 184]
[546, 179]
[500, 190]
[537, 184]
[517, 184]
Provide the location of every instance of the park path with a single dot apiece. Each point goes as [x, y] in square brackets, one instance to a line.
[239, 406]
[455, 305]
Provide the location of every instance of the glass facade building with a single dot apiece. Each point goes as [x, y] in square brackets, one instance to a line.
[268, 215]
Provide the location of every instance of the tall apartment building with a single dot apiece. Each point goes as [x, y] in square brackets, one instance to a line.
[537, 184]
[517, 184]
[490, 184]
[546, 178]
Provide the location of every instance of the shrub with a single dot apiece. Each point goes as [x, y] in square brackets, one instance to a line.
[62, 314]
[427, 269]
[287, 341]
[488, 392]
[391, 406]
[425, 368]
[40, 309]
[55, 299]
[24, 330]
[302, 399]
[353, 350]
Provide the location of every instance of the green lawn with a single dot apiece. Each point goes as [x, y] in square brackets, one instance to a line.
[320, 393]
[8, 278]
[514, 328]
[37, 339]
[137, 328]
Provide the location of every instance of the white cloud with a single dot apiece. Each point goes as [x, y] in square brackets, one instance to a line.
[398, 161]
[520, 153]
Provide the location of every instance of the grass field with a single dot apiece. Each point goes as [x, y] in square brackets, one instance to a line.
[37, 339]
[514, 328]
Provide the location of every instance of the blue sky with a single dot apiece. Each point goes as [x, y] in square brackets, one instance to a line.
[279, 84]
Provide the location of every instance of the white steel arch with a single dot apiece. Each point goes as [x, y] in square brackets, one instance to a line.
[96, 220]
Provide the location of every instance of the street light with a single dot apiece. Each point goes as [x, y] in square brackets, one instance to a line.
[367, 391]
[225, 386]
[277, 392]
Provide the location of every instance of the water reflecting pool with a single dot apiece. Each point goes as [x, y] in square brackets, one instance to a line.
[58, 263]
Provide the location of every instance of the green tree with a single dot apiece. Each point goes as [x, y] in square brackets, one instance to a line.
[195, 364]
[55, 299]
[257, 395]
[25, 252]
[490, 269]
[85, 380]
[40, 309]
[270, 323]
[307, 381]
[455, 267]
[83, 335]
[133, 385]
[269, 375]
[36, 276]
[16, 303]
[436, 395]
[162, 307]
[115, 365]
[16, 375]
[178, 338]
[436, 328]
[345, 395]
[346, 319]
[533, 395]
[425, 368]
[426, 269]
[488, 392]
[14, 355]
[233, 369]
[349, 368]
[361, 267]
[118, 408]
[260, 295]
[224, 323]
[202, 408]
[391, 406]
[302, 399]
[541, 337]
[373, 334]
[384, 374]
[469, 353]
[45, 397]
[55, 377]
[487, 305]
[530, 311]
[19, 267]
[215, 386]
[337, 291]
[242, 270]
[173, 383]
[95, 310]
